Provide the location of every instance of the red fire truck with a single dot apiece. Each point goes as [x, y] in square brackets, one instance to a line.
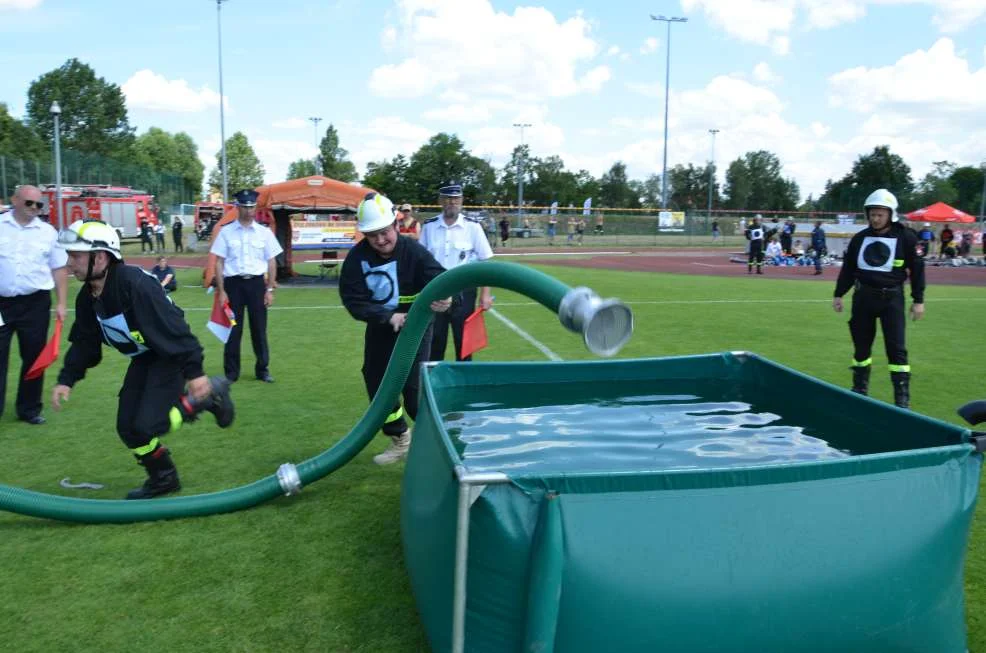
[121, 207]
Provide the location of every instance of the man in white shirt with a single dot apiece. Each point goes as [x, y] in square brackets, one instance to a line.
[455, 240]
[244, 251]
[31, 264]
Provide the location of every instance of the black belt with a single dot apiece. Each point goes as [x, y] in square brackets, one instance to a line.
[879, 290]
[246, 276]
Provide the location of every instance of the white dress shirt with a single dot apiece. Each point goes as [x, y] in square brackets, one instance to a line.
[246, 250]
[28, 254]
[452, 245]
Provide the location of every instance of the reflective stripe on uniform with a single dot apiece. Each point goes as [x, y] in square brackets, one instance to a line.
[899, 368]
[394, 416]
[147, 448]
[407, 299]
[176, 419]
[865, 363]
[898, 262]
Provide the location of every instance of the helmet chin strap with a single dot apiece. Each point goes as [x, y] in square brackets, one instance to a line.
[92, 262]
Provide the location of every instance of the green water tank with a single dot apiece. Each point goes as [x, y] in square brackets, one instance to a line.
[863, 553]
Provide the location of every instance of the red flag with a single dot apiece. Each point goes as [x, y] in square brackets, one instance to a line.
[222, 320]
[47, 356]
[473, 334]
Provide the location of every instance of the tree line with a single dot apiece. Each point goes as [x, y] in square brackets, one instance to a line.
[95, 124]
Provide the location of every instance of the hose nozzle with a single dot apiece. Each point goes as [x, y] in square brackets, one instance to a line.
[605, 324]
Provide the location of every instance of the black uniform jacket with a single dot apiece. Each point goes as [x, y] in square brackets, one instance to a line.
[883, 261]
[373, 288]
[134, 316]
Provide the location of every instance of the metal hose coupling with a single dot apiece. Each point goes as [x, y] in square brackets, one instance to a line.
[605, 324]
[289, 480]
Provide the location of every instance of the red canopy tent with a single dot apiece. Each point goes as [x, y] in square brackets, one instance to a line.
[940, 212]
[278, 201]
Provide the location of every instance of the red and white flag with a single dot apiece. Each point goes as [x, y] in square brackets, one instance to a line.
[222, 321]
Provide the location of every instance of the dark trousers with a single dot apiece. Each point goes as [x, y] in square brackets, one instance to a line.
[151, 388]
[462, 306]
[248, 294]
[756, 254]
[179, 246]
[870, 305]
[28, 317]
[378, 345]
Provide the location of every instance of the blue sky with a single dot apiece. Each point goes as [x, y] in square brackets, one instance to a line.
[816, 81]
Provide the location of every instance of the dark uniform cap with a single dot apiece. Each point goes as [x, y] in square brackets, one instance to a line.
[246, 197]
[451, 189]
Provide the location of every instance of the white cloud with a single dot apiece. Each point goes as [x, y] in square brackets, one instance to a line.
[929, 82]
[277, 154]
[382, 138]
[613, 51]
[460, 113]
[593, 80]
[650, 45]
[820, 130]
[762, 72]
[19, 4]
[499, 142]
[769, 22]
[290, 123]
[523, 53]
[388, 39]
[148, 90]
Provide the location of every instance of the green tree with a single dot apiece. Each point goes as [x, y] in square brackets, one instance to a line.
[878, 169]
[552, 183]
[690, 188]
[301, 168]
[968, 184]
[190, 166]
[936, 186]
[754, 182]
[18, 140]
[390, 178]
[445, 158]
[615, 191]
[335, 159]
[507, 189]
[94, 114]
[650, 195]
[245, 169]
[586, 186]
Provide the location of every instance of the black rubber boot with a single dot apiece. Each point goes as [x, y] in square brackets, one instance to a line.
[162, 476]
[861, 380]
[219, 403]
[902, 388]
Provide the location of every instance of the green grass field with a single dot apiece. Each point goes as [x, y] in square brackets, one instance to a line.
[323, 571]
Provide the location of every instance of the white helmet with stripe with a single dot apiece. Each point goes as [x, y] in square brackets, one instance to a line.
[374, 213]
[882, 198]
[90, 236]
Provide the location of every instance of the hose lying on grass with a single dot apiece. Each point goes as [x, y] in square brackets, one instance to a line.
[605, 326]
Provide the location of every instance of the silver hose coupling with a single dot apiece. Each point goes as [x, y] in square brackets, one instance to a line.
[287, 476]
[605, 324]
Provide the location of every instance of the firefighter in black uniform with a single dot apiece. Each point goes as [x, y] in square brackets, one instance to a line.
[379, 280]
[756, 234]
[126, 308]
[878, 261]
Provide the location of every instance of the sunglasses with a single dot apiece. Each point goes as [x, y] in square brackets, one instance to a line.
[32, 204]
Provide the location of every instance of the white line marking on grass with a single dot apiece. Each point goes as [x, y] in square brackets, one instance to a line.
[525, 335]
[586, 253]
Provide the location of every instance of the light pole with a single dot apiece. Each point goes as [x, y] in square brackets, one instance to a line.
[222, 115]
[667, 84]
[982, 202]
[315, 122]
[520, 174]
[712, 167]
[56, 111]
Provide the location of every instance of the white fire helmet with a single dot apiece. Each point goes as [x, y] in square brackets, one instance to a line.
[90, 236]
[375, 212]
[882, 198]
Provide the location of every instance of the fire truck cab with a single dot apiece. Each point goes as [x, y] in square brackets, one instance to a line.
[122, 208]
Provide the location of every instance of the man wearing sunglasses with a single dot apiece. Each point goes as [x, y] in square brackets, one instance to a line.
[31, 264]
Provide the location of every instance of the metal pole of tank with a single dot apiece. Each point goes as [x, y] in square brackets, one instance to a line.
[56, 112]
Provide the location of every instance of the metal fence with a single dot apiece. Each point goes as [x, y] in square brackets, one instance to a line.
[86, 169]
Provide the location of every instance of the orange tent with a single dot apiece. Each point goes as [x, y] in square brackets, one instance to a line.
[940, 212]
[278, 201]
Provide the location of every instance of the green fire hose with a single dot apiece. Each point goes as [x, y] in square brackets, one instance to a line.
[605, 325]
